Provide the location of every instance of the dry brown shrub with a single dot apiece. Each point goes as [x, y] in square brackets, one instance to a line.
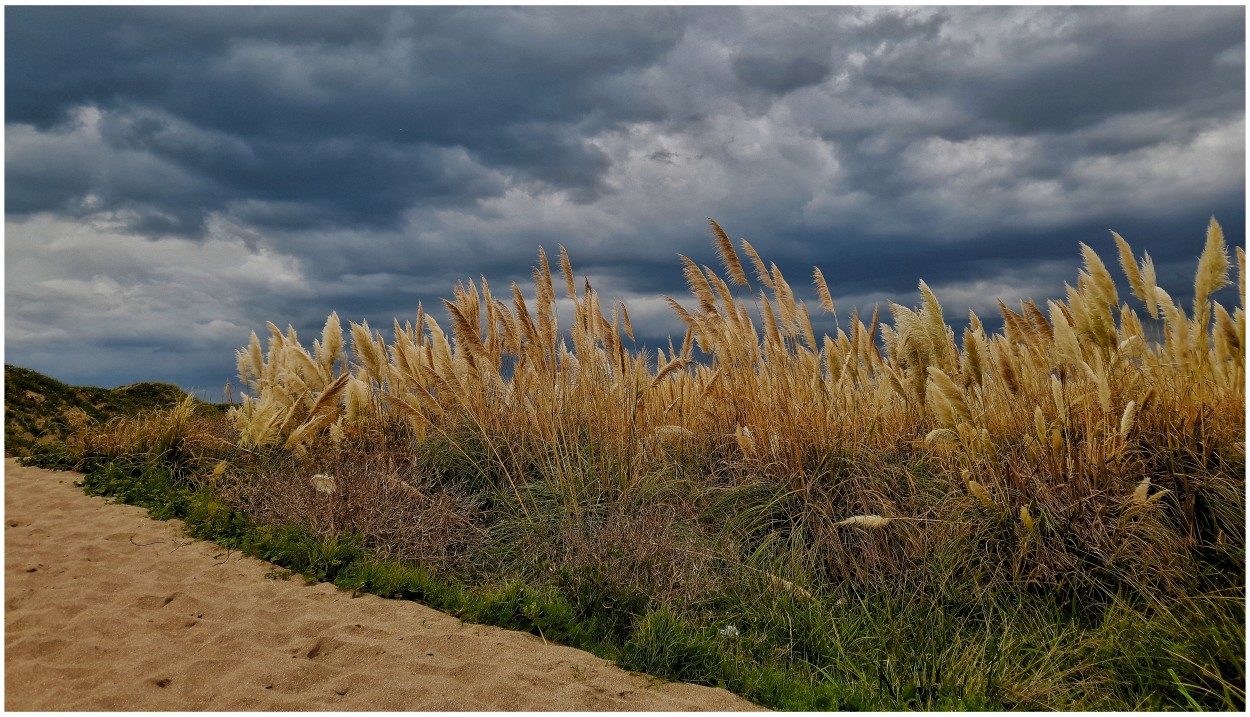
[628, 549]
[379, 495]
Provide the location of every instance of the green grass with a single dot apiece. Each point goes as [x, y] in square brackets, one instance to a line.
[960, 630]
[884, 648]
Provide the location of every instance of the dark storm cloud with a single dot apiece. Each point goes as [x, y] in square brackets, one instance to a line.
[178, 176]
[1149, 58]
[779, 75]
[341, 112]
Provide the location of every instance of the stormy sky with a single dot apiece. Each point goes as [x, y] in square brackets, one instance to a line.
[176, 177]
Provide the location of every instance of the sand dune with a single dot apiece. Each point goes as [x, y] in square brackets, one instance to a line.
[106, 609]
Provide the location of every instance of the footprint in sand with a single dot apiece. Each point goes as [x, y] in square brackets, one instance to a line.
[324, 647]
[155, 602]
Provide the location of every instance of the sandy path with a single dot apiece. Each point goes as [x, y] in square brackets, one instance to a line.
[106, 609]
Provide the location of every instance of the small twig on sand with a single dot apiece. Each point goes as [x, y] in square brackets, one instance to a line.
[227, 559]
[140, 545]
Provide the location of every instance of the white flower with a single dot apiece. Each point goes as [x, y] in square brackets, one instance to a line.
[729, 631]
[323, 483]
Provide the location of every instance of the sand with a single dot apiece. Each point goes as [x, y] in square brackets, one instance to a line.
[107, 609]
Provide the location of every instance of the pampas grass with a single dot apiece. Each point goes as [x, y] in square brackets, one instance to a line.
[897, 516]
[1072, 411]
[1079, 375]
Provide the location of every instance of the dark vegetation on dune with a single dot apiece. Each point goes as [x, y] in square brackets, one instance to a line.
[1048, 518]
[39, 409]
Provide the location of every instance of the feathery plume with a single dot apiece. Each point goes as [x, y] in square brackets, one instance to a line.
[1004, 363]
[676, 364]
[629, 327]
[761, 271]
[1026, 518]
[1037, 320]
[1241, 275]
[1132, 271]
[941, 435]
[822, 291]
[331, 343]
[865, 521]
[973, 364]
[980, 493]
[680, 311]
[1101, 282]
[1067, 347]
[950, 393]
[566, 268]
[698, 285]
[1213, 265]
[728, 257]
[1127, 419]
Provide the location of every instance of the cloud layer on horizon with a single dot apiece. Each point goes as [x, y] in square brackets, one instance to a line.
[178, 176]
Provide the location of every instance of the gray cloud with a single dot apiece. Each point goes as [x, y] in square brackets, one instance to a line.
[178, 176]
[779, 75]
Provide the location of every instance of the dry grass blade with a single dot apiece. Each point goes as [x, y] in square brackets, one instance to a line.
[628, 325]
[1101, 282]
[745, 439]
[1131, 270]
[566, 268]
[1213, 267]
[676, 364]
[466, 334]
[1241, 275]
[789, 587]
[1040, 325]
[669, 434]
[729, 257]
[698, 285]
[1127, 419]
[309, 429]
[822, 291]
[680, 311]
[951, 393]
[1026, 518]
[328, 400]
[761, 271]
[416, 419]
[973, 363]
[367, 354]
[331, 343]
[980, 493]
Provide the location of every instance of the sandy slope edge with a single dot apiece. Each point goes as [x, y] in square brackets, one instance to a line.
[106, 609]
